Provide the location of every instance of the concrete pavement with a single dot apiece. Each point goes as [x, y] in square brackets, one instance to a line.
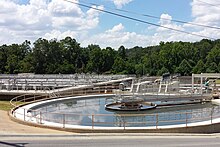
[9, 127]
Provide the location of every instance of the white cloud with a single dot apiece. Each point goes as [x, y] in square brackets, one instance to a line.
[117, 36]
[116, 29]
[93, 12]
[39, 18]
[58, 19]
[59, 8]
[206, 14]
[121, 3]
[66, 15]
[165, 19]
[60, 35]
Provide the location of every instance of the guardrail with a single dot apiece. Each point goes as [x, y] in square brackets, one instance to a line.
[38, 82]
[124, 121]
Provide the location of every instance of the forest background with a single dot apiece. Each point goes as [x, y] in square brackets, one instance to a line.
[68, 57]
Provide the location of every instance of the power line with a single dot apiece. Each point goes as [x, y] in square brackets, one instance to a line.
[174, 20]
[208, 3]
[156, 17]
[137, 20]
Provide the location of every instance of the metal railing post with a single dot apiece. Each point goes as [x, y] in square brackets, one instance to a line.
[40, 117]
[64, 121]
[124, 122]
[92, 121]
[157, 121]
[24, 114]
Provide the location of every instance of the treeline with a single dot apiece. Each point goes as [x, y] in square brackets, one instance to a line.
[67, 57]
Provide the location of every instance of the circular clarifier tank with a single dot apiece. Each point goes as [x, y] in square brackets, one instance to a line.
[91, 111]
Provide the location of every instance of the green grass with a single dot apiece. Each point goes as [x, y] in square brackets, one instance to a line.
[6, 106]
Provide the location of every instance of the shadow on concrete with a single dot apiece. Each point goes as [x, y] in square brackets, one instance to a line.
[13, 144]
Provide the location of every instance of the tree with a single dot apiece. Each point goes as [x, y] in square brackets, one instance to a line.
[73, 55]
[162, 71]
[12, 64]
[26, 65]
[119, 66]
[219, 67]
[214, 55]
[15, 54]
[3, 58]
[122, 52]
[184, 68]
[26, 62]
[40, 53]
[139, 69]
[200, 67]
[96, 60]
[66, 56]
[108, 59]
[212, 68]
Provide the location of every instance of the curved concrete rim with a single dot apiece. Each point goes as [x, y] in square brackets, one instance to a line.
[198, 127]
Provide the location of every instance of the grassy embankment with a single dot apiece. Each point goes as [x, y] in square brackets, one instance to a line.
[6, 106]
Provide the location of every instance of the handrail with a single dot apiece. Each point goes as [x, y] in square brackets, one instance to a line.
[156, 122]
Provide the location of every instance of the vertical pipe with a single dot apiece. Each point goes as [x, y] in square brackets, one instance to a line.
[192, 82]
[201, 81]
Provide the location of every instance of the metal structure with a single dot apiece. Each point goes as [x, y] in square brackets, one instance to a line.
[56, 81]
[129, 103]
[204, 77]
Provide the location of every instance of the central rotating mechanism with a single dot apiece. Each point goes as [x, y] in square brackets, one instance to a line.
[129, 103]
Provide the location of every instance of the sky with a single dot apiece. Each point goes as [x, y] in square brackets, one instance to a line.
[22, 20]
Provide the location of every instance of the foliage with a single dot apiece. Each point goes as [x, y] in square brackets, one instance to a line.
[68, 57]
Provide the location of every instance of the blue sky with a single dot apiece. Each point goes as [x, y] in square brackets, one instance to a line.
[179, 9]
[32, 19]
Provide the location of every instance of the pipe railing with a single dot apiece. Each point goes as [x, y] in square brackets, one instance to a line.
[64, 120]
[122, 120]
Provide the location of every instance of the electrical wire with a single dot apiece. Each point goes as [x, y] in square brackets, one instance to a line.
[156, 17]
[208, 3]
[137, 20]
